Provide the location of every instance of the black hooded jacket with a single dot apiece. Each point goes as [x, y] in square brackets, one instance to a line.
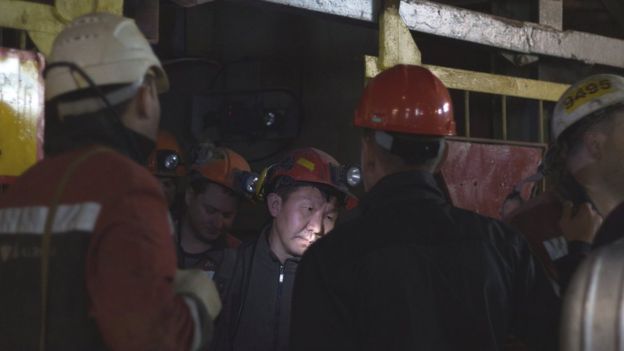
[256, 290]
[412, 272]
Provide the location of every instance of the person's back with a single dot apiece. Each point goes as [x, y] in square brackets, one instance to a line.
[87, 255]
[413, 272]
[107, 192]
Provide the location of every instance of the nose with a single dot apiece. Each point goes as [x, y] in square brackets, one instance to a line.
[315, 224]
[218, 220]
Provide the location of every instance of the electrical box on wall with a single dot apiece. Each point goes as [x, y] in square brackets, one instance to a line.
[246, 116]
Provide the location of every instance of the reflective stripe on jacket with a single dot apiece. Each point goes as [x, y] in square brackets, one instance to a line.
[112, 261]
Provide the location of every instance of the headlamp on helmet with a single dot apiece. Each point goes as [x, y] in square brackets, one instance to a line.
[167, 160]
[308, 166]
[247, 182]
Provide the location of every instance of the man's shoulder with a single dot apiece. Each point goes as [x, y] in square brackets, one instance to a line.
[112, 164]
[98, 172]
[98, 162]
[494, 228]
[341, 240]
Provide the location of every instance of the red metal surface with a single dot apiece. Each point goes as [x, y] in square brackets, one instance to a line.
[479, 177]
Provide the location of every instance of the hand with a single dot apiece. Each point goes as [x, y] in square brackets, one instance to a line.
[580, 226]
[197, 283]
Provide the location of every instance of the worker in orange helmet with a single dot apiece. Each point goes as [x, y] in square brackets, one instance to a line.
[303, 193]
[166, 162]
[216, 188]
[411, 271]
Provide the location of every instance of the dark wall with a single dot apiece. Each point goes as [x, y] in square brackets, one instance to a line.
[318, 58]
[247, 46]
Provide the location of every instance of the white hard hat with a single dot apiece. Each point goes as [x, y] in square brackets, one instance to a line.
[110, 49]
[587, 96]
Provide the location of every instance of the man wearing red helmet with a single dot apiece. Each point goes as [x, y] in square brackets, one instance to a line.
[412, 272]
[303, 193]
[216, 188]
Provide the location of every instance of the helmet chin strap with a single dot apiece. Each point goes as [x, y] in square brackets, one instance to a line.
[133, 144]
[94, 104]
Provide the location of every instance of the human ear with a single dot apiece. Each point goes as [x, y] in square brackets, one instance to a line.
[188, 196]
[274, 204]
[146, 97]
[594, 143]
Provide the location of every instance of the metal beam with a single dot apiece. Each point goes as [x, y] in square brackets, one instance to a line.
[551, 13]
[485, 82]
[29, 16]
[356, 9]
[396, 46]
[44, 22]
[448, 21]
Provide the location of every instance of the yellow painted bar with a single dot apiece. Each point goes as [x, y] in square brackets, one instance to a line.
[29, 16]
[44, 22]
[486, 82]
[21, 111]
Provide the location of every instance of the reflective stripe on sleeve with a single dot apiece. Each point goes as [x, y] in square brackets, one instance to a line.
[556, 247]
[31, 220]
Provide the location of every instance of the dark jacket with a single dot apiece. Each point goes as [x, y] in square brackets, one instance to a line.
[256, 290]
[412, 272]
[612, 228]
[208, 260]
[538, 220]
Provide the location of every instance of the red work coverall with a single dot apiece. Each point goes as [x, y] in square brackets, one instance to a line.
[112, 260]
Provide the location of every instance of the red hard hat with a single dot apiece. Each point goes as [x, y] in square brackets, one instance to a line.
[406, 99]
[166, 159]
[308, 165]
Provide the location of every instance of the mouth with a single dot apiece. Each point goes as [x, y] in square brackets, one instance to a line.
[304, 240]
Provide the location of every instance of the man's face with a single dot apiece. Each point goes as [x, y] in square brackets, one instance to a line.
[300, 219]
[169, 187]
[212, 212]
